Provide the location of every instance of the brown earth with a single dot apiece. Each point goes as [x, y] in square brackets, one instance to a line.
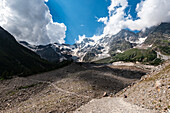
[65, 89]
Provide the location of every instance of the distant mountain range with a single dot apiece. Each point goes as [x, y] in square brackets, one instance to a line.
[88, 50]
[150, 46]
[108, 46]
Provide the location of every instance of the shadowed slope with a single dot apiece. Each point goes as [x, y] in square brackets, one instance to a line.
[16, 59]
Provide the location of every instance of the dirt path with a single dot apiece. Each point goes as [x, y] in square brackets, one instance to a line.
[111, 105]
[60, 89]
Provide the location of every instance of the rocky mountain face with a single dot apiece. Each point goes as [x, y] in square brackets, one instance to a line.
[108, 46]
[51, 52]
[18, 60]
[88, 49]
[160, 37]
[156, 37]
[159, 40]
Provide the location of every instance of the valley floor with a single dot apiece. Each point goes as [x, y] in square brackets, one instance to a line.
[65, 89]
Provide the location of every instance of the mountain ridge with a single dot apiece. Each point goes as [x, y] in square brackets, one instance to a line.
[89, 50]
[18, 60]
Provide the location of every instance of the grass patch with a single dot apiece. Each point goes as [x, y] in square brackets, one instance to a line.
[1, 78]
[164, 49]
[11, 93]
[148, 56]
[103, 61]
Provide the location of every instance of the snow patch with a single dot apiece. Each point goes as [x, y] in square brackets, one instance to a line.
[119, 51]
[161, 56]
[139, 41]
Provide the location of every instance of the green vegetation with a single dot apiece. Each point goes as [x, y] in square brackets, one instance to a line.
[144, 56]
[159, 39]
[1, 78]
[163, 46]
[119, 44]
[13, 92]
[148, 56]
[103, 61]
[164, 50]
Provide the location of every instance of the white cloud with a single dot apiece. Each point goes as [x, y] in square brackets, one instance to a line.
[96, 38]
[103, 19]
[56, 31]
[116, 17]
[81, 38]
[150, 13]
[30, 20]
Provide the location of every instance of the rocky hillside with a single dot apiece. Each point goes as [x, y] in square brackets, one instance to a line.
[160, 39]
[18, 60]
[152, 91]
[150, 94]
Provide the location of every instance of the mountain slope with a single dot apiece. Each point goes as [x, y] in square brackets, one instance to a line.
[107, 46]
[148, 56]
[51, 52]
[160, 38]
[16, 59]
[155, 43]
[88, 50]
[152, 91]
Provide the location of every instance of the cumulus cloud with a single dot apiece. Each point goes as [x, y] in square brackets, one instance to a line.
[116, 17]
[149, 13]
[103, 19]
[30, 20]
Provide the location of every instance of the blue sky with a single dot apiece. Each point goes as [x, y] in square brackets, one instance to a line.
[30, 20]
[80, 16]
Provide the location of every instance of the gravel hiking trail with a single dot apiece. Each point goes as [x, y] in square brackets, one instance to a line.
[111, 105]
